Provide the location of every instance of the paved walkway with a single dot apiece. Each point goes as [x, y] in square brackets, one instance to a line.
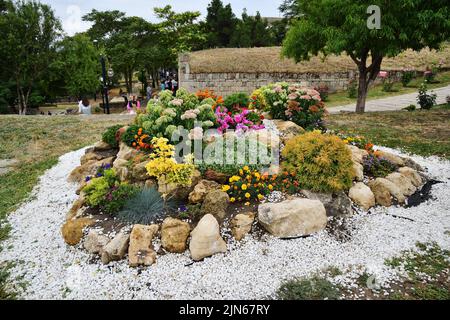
[393, 103]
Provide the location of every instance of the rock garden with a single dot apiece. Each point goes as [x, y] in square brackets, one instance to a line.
[133, 192]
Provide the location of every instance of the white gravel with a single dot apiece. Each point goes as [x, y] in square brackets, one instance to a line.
[252, 269]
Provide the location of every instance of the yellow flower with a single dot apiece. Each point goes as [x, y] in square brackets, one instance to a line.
[232, 199]
[260, 196]
[247, 203]
[234, 179]
[270, 187]
[225, 188]
[246, 168]
[241, 172]
[346, 141]
[247, 195]
[244, 187]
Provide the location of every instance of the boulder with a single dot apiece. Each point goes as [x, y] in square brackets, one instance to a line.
[122, 171]
[412, 164]
[174, 234]
[383, 189]
[97, 155]
[241, 224]
[218, 177]
[293, 218]
[72, 230]
[139, 172]
[362, 196]
[288, 129]
[391, 157]
[358, 171]
[201, 190]
[126, 152]
[89, 168]
[216, 203]
[77, 208]
[357, 153]
[265, 137]
[412, 175]
[205, 239]
[336, 204]
[140, 250]
[402, 182]
[95, 242]
[116, 249]
[102, 146]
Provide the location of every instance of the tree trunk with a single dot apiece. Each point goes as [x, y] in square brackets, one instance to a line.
[363, 85]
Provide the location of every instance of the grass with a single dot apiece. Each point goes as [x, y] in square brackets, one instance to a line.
[263, 60]
[314, 288]
[376, 92]
[422, 132]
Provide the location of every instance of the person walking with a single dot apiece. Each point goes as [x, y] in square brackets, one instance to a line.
[163, 85]
[149, 92]
[84, 107]
[174, 86]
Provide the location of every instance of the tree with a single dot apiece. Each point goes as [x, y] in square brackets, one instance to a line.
[220, 24]
[337, 26]
[29, 32]
[79, 62]
[252, 32]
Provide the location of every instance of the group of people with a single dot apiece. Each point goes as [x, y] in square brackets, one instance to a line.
[169, 84]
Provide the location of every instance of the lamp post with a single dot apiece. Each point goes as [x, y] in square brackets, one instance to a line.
[105, 84]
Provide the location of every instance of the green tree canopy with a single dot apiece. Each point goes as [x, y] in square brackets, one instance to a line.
[220, 24]
[337, 26]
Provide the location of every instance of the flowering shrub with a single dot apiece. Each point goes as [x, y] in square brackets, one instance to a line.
[295, 103]
[322, 162]
[164, 166]
[323, 90]
[243, 121]
[425, 99]
[168, 114]
[376, 166]
[237, 101]
[248, 185]
[257, 100]
[209, 94]
[138, 138]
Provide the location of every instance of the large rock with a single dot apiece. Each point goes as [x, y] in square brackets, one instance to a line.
[383, 189]
[336, 204]
[288, 129]
[95, 241]
[77, 209]
[218, 177]
[205, 239]
[216, 203]
[126, 152]
[201, 190]
[412, 175]
[89, 168]
[139, 172]
[265, 137]
[399, 161]
[122, 170]
[116, 249]
[402, 182]
[412, 164]
[102, 146]
[174, 234]
[358, 170]
[293, 218]
[241, 225]
[72, 230]
[140, 250]
[357, 153]
[97, 155]
[362, 196]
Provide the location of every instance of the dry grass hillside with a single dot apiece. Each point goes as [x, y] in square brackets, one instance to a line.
[254, 60]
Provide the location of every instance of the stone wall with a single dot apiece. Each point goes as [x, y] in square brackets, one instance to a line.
[227, 83]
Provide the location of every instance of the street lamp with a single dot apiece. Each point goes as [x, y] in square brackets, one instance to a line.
[105, 85]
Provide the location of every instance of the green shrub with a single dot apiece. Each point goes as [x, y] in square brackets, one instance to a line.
[377, 167]
[426, 100]
[117, 197]
[352, 89]
[315, 288]
[99, 187]
[388, 85]
[145, 207]
[407, 76]
[322, 162]
[237, 101]
[109, 136]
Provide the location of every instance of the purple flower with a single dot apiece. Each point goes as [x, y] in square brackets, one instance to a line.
[88, 178]
[182, 208]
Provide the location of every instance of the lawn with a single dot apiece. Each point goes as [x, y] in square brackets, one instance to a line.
[422, 132]
[376, 92]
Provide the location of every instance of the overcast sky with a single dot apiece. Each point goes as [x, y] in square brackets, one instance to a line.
[71, 11]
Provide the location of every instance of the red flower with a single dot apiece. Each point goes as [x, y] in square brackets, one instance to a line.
[261, 117]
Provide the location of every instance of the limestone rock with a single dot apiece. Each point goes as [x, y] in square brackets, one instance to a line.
[288, 129]
[412, 164]
[391, 157]
[139, 172]
[205, 239]
[72, 230]
[293, 218]
[362, 196]
[116, 249]
[383, 189]
[216, 203]
[359, 171]
[402, 182]
[140, 250]
[412, 175]
[218, 177]
[102, 146]
[357, 153]
[76, 209]
[201, 190]
[174, 234]
[88, 169]
[126, 152]
[95, 242]
[242, 224]
[336, 204]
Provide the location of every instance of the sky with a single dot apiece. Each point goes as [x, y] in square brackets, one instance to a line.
[71, 11]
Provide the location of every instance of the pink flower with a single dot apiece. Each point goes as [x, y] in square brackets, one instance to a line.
[305, 97]
[293, 96]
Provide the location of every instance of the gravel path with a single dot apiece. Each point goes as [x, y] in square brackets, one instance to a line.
[393, 103]
[252, 269]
